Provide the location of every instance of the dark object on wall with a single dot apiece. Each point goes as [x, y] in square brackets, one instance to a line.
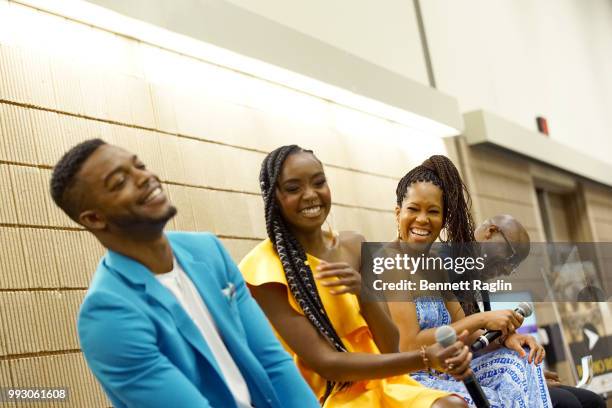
[542, 125]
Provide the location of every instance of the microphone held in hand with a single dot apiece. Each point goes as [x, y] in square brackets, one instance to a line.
[524, 309]
[446, 337]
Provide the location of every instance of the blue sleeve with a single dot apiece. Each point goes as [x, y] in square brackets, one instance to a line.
[291, 388]
[119, 344]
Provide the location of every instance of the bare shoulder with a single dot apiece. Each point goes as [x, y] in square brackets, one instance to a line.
[351, 238]
[350, 241]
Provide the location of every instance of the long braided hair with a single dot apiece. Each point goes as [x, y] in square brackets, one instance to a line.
[457, 219]
[299, 276]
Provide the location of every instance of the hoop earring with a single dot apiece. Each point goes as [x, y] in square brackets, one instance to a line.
[399, 234]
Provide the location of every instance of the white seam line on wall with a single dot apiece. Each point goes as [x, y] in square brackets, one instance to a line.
[225, 190]
[150, 129]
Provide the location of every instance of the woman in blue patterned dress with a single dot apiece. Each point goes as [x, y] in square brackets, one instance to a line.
[429, 198]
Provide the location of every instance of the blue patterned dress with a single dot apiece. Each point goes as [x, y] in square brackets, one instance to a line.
[508, 380]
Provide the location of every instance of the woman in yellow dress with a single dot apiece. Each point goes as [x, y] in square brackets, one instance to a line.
[307, 282]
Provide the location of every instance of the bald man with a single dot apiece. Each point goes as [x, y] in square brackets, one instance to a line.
[513, 245]
[501, 261]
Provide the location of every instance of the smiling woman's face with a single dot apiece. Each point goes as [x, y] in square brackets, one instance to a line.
[302, 192]
[421, 213]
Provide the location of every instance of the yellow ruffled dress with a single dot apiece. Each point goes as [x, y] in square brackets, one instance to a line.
[262, 265]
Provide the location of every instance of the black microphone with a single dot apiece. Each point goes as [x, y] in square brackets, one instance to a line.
[524, 309]
[446, 336]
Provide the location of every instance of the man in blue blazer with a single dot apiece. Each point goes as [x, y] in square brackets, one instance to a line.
[167, 320]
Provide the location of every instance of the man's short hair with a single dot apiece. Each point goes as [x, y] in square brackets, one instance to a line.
[64, 175]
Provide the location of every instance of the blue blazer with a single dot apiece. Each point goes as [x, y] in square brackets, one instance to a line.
[147, 352]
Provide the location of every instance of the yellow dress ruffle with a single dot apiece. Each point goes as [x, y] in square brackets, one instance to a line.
[262, 265]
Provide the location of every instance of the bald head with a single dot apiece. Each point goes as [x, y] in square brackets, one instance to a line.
[493, 231]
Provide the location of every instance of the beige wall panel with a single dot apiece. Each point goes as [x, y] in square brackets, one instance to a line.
[193, 114]
[524, 213]
[30, 194]
[362, 190]
[117, 99]
[535, 235]
[330, 136]
[213, 165]
[40, 249]
[14, 84]
[599, 208]
[16, 140]
[48, 136]
[48, 317]
[503, 187]
[600, 194]
[380, 226]
[66, 83]
[255, 207]
[162, 98]
[203, 116]
[12, 267]
[76, 271]
[15, 307]
[65, 370]
[238, 169]
[5, 379]
[5, 374]
[346, 219]
[373, 225]
[7, 209]
[143, 143]
[37, 70]
[179, 196]
[238, 248]
[237, 215]
[201, 203]
[139, 99]
[491, 160]
[172, 168]
[7, 335]
[56, 215]
[41, 320]
[604, 231]
[600, 211]
[206, 164]
[93, 82]
[193, 159]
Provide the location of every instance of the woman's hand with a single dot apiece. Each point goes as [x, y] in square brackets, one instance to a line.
[506, 321]
[517, 341]
[454, 360]
[552, 378]
[348, 280]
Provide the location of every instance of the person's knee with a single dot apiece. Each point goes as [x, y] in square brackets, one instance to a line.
[452, 401]
[562, 398]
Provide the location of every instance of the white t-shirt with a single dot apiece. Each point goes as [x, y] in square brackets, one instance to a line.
[188, 296]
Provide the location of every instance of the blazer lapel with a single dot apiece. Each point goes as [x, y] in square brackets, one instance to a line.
[209, 284]
[204, 279]
[141, 275]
